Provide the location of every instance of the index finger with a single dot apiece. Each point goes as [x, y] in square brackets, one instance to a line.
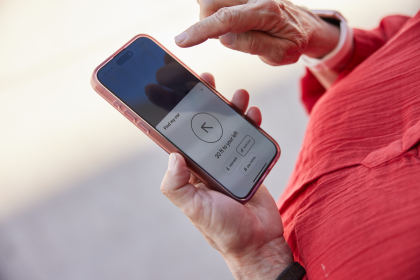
[236, 19]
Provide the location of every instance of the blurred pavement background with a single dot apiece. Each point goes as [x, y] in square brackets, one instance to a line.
[79, 196]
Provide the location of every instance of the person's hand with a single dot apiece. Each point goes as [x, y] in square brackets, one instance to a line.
[276, 30]
[250, 236]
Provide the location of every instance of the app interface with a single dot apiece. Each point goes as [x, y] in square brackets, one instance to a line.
[190, 115]
[219, 139]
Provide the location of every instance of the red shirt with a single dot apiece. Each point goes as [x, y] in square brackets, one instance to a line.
[352, 206]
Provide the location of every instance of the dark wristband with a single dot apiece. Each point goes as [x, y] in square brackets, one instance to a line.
[293, 272]
[333, 21]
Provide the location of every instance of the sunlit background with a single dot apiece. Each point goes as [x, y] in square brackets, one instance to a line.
[79, 195]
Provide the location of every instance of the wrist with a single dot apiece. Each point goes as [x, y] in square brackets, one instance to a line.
[265, 262]
[323, 39]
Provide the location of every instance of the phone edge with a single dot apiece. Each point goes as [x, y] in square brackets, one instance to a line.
[166, 145]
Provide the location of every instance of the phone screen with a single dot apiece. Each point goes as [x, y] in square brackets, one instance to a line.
[189, 114]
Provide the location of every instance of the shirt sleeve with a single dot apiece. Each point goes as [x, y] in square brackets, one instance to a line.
[363, 44]
[326, 69]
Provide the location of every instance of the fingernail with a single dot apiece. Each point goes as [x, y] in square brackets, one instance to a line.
[228, 39]
[181, 38]
[172, 162]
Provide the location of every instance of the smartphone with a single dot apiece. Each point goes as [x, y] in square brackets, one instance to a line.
[183, 113]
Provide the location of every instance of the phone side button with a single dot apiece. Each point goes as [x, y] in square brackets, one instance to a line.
[117, 104]
[134, 119]
[129, 116]
[142, 127]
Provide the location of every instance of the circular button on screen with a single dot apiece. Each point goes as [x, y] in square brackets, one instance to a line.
[206, 127]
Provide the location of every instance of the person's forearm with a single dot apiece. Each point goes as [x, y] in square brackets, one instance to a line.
[323, 40]
[267, 262]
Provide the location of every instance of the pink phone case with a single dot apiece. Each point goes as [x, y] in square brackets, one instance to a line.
[161, 140]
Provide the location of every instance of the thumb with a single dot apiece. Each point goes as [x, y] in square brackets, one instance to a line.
[175, 184]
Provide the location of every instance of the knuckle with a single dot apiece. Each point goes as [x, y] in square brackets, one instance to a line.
[225, 15]
[272, 6]
[282, 4]
[272, 11]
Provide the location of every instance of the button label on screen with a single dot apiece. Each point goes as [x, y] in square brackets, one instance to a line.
[245, 145]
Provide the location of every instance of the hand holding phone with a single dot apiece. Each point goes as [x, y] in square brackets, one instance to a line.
[250, 236]
[183, 113]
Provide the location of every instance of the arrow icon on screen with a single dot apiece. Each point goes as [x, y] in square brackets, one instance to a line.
[204, 127]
